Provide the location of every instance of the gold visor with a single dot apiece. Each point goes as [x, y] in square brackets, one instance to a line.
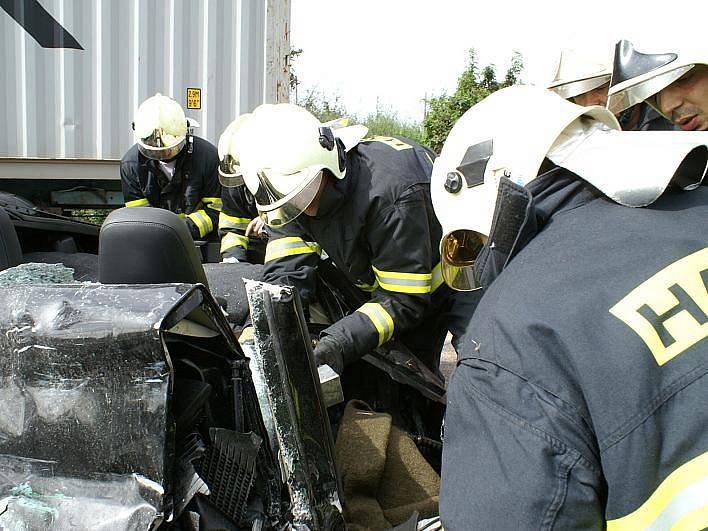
[458, 253]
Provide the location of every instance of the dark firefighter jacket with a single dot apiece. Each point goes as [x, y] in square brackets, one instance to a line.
[194, 191]
[579, 400]
[378, 226]
[239, 208]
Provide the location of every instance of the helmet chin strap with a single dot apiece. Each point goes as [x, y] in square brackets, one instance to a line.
[190, 138]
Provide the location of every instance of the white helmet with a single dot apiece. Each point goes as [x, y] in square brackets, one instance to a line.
[577, 74]
[283, 151]
[632, 168]
[638, 77]
[230, 174]
[160, 127]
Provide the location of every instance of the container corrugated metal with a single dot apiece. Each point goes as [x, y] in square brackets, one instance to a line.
[61, 103]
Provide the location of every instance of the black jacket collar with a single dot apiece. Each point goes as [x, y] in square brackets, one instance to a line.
[522, 212]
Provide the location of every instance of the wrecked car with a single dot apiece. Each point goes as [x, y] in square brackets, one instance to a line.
[129, 401]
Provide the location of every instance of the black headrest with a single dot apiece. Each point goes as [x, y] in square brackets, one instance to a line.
[144, 245]
[10, 250]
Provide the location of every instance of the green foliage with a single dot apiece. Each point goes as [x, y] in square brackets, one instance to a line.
[387, 123]
[473, 86]
[324, 108]
[384, 122]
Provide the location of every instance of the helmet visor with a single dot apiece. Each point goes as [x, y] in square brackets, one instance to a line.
[644, 90]
[281, 209]
[161, 146]
[459, 251]
[230, 174]
[575, 88]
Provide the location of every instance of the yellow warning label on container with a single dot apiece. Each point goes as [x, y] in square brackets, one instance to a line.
[194, 98]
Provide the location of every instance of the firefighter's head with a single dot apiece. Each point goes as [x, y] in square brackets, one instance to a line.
[287, 156]
[581, 79]
[230, 174]
[480, 180]
[160, 128]
[676, 84]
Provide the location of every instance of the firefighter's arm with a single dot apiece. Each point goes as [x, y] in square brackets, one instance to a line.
[401, 258]
[132, 194]
[233, 221]
[205, 219]
[291, 259]
[515, 456]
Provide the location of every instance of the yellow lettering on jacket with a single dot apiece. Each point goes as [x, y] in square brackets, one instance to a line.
[669, 311]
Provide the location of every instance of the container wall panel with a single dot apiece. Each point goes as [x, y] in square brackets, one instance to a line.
[63, 103]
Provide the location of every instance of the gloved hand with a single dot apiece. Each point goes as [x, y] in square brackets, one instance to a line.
[328, 351]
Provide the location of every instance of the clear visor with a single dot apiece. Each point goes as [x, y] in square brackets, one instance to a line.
[458, 253]
[161, 146]
[570, 90]
[230, 174]
[280, 209]
[644, 90]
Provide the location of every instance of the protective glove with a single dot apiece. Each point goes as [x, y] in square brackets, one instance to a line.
[329, 352]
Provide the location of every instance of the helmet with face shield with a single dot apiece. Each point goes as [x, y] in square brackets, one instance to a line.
[230, 174]
[638, 77]
[577, 74]
[481, 151]
[160, 127]
[285, 153]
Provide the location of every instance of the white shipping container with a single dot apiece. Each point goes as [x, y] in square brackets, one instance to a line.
[62, 103]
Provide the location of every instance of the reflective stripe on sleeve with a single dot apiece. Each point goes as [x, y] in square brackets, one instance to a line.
[137, 202]
[436, 278]
[380, 318]
[231, 240]
[213, 202]
[403, 282]
[202, 221]
[680, 502]
[232, 222]
[289, 246]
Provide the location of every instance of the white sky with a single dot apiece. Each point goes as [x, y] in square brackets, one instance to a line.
[397, 50]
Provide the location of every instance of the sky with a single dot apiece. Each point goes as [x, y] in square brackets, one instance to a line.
[392, 53]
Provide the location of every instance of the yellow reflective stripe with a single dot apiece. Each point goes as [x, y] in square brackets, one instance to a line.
[380, 318]
[403, 282]
[436, 278]
[682, 495]
[202, 221]
[182, 215]
[213, 202]
[137, 202]
[289, 246]
[231, 240]
[232, 222]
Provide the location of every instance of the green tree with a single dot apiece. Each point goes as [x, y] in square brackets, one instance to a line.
[473, 86]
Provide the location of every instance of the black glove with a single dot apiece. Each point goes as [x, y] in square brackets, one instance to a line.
[329, 351]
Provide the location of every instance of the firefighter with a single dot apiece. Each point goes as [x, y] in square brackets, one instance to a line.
[676, 84]
[239, 217]
[579, 397]
[586, 81]
[581, 79]
[366, 204]
[170, 168]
